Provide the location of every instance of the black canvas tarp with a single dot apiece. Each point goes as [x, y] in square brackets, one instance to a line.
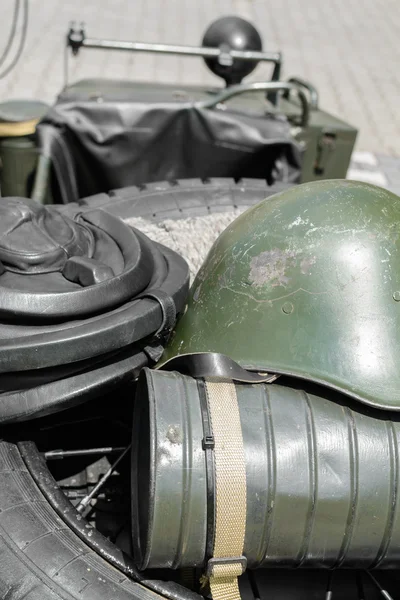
[96, 146]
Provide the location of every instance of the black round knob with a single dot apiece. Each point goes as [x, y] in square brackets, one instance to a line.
[232, 33]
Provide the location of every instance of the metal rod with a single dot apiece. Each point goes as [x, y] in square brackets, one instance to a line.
[86, 500]
[75, 495]
[66, 66]
[269, 86]
[274, 57]
[58, 454]
[384, 593]
[360, 585]
[329, 592]
[276, 75]
[41, 181]
[314, 98]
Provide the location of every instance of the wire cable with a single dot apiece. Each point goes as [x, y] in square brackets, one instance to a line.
[16, 58]
[12, 33]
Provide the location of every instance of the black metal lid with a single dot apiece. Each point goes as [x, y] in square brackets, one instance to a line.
[17, 111]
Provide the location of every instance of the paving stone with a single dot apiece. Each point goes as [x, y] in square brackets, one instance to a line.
[349, 50]
[376, 178]
[387, 161]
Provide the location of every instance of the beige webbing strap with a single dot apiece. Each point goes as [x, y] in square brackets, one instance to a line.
[15, 129]
[227, 562]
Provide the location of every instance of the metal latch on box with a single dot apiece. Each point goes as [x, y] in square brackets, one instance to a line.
[325, 148]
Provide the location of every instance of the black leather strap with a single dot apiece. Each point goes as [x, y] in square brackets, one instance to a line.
[168, 309]
[215, 365]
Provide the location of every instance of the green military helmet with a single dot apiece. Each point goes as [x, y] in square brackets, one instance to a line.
[307, 284]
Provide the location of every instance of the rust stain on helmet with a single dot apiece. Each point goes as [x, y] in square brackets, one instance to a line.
[271, 266]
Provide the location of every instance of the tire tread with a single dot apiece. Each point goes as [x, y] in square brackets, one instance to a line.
[40, 557]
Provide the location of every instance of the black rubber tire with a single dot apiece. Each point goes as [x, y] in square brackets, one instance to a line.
[40, 557]
[183, 199]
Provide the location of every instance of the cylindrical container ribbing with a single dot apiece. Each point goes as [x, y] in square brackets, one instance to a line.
[322, 478]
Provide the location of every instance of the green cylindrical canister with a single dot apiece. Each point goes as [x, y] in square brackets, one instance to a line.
[321, 477]
[18, 150]
[18, 157]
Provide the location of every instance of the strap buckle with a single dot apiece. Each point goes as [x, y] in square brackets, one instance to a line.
[218, 567]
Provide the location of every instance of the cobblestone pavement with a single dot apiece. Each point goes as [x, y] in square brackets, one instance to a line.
[377, 169]
[349, 49]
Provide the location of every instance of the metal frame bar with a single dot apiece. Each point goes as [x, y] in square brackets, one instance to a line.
[76, 39]
[59, 454]
[269, 86]
[314, 96]
[94, 492]
[182, 50]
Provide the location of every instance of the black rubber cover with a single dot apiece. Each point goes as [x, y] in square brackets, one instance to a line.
[27, 346]
[82, 296]
[70, 285]
[98, 376]
[55, 266]
[44, 386]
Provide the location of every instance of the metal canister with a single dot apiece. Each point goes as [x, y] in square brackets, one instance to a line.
[18, 156]
[322, 477]
[18, 149]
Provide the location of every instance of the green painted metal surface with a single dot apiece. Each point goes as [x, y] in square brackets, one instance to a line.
[327, 141]
[18, 153]
[306, 283]
[18, 158]
[321, 477]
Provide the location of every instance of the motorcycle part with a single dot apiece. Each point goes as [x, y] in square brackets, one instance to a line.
[227, 34]
[321, 476]
[60, 454]
[56, 389]
[183, 199]
[95, 491]
[237, 49]
[270, 86]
